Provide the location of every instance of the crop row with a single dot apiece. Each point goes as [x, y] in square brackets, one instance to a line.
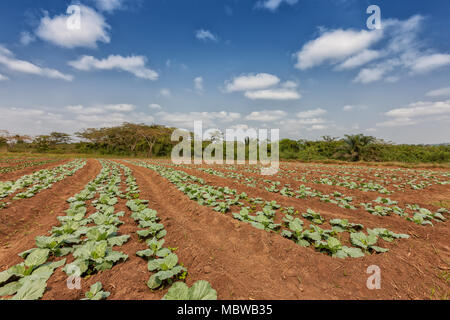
[38, 181]
[224, 199]
[90, 246]
[26, 164]
[380, 206]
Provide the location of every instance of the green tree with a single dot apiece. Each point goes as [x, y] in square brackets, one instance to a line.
[354, 146]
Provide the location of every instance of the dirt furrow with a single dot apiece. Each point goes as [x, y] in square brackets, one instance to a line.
[21, 223]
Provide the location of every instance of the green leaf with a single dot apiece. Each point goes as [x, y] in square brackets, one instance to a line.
[202, 290]
[178, 291]
[33, 288]
[154, 282]
[118, 241]
[379, 249]
[37, 257]
[10, 288]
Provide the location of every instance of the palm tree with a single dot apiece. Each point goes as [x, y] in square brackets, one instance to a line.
[354, 145]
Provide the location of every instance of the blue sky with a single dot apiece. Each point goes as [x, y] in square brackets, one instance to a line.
[308, 67]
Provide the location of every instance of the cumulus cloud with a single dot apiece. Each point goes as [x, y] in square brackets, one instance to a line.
[311, 113]
[421, 108]
[8, 60]
[198, 83]
[251, 82]
[360, 59]
[26, 38]
[416, 112]
[348, 108]
[266, 115]
[334, 46]
[263, 86]
[368, 75]
[155, 106]
[120, 107]
[206, 35]
[439, 92]
[430, 62]
[3, 78]
[273, 5]
[165, 93]
[93, 28]
[273, 94]
[186, 120]
[131, 64]
[400, 51]
[79, 109]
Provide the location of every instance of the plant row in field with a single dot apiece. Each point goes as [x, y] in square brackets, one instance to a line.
[38, 181]
[222, 199]
[92, 247]
[27, 164]
[380, 206]
[162, 261]
[381, 179]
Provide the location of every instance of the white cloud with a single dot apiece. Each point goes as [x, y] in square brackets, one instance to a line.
[312, 121]
[402, 50]
[430, 62]
[79, 109]
[289, 85]
[205, 35]
[93, 29]
[318, 127]
[3, 78]
[186, 120]
[131, 64]
[439, 92]
[120, 107]
[370, 75]
[360, 59]
[198, 83]
[273, 5]
[155, 106]
[416, 112]
[251, 82]
[420, 109]
[26, 38]
[165, 93]
[311, 113]
[108, 5]
[8, 60]
[334, 46]
[266, 115]
[348, 108]
[398, 122]
[273, 94]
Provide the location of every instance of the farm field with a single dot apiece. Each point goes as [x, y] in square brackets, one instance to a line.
[139, 227]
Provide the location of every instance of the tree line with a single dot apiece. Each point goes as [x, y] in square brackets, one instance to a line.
[140, 140]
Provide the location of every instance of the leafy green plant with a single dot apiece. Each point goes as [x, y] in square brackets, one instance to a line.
[96, 293]
[313, 216]
[341, 225]
[386, 234]
[166, 270]
[366, 242]
[201, 290]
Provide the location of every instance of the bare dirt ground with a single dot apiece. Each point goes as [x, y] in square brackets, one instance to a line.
[240, 261]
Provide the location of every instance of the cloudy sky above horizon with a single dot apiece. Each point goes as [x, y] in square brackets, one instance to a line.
[308, 67]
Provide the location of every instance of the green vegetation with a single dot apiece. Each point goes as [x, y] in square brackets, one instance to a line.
[139, 140]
